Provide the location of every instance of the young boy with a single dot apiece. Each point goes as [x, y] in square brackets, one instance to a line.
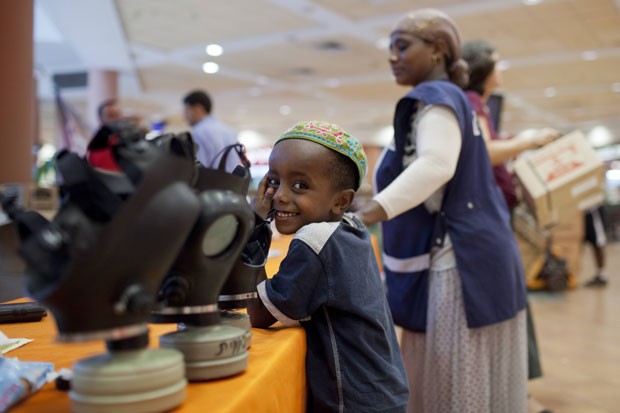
[329, 281]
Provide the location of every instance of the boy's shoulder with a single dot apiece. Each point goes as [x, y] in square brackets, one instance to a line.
[317, 234]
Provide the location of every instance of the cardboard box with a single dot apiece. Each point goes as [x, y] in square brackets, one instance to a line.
[561, 178]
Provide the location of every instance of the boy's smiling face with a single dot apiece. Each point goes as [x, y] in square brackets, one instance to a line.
[304, 191]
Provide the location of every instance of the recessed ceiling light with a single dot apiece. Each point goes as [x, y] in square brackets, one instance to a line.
[285, 110]
[210, 67]
[531, 2]
[383, 43]
[550, 92]
[589, 55]
[503, 65]
[214, 50]
[333, 83]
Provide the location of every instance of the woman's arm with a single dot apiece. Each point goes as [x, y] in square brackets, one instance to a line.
[502, 150]
[438, 147]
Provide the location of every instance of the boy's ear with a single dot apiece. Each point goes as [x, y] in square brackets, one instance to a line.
[343, 201]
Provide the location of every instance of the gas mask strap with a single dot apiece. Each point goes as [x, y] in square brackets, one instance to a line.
[225, 153]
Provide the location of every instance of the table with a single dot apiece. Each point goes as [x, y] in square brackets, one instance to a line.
[273, 382]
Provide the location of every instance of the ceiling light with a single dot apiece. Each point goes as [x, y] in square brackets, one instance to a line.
[550, 92]
[600, 136]
[589, 55]
[285, 110]
[383, 43]
[333, 83]
[615, 87]
[214, 50]
[210, 67]
[503, 65]
[531, 2]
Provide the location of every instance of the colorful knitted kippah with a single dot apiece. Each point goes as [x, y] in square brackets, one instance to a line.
[332, 137]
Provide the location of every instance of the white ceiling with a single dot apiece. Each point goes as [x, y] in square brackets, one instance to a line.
[327, 58]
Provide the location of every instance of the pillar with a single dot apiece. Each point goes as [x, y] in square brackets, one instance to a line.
[18, 92]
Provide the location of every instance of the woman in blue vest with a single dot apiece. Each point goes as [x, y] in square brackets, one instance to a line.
[454, 277]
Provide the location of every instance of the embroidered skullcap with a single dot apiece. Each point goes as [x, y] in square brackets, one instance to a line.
[433, 25]
[332, 137]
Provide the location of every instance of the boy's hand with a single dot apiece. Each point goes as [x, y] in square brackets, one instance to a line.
[264, 198]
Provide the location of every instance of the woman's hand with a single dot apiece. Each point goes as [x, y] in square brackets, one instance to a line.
[371, 213]
[263, 201]
[543, 136]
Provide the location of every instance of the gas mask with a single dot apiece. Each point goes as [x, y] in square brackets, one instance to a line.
[99, 263]
[214, 342]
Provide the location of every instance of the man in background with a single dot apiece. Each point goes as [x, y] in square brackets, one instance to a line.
[210, 135]
[108, 112]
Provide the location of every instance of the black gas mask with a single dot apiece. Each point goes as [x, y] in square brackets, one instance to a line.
[99, 263]
[213, 342]
[220, 261]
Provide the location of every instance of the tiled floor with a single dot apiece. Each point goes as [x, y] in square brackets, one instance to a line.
[579, 339]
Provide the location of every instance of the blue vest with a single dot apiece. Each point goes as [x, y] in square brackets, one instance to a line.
[473, 213]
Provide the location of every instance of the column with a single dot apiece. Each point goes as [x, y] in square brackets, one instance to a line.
[18, 92]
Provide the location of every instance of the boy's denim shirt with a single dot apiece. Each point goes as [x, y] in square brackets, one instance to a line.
[330, 283]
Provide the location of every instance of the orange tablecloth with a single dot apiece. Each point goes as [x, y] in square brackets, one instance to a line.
[273, 382]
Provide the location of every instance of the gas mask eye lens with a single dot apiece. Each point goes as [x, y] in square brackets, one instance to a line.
[220, 235]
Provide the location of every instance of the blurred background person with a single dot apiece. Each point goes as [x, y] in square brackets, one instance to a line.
[210, 135]
[485, 76]
[112, 120]
[109, 111]
[595, 236]
[454, 277]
